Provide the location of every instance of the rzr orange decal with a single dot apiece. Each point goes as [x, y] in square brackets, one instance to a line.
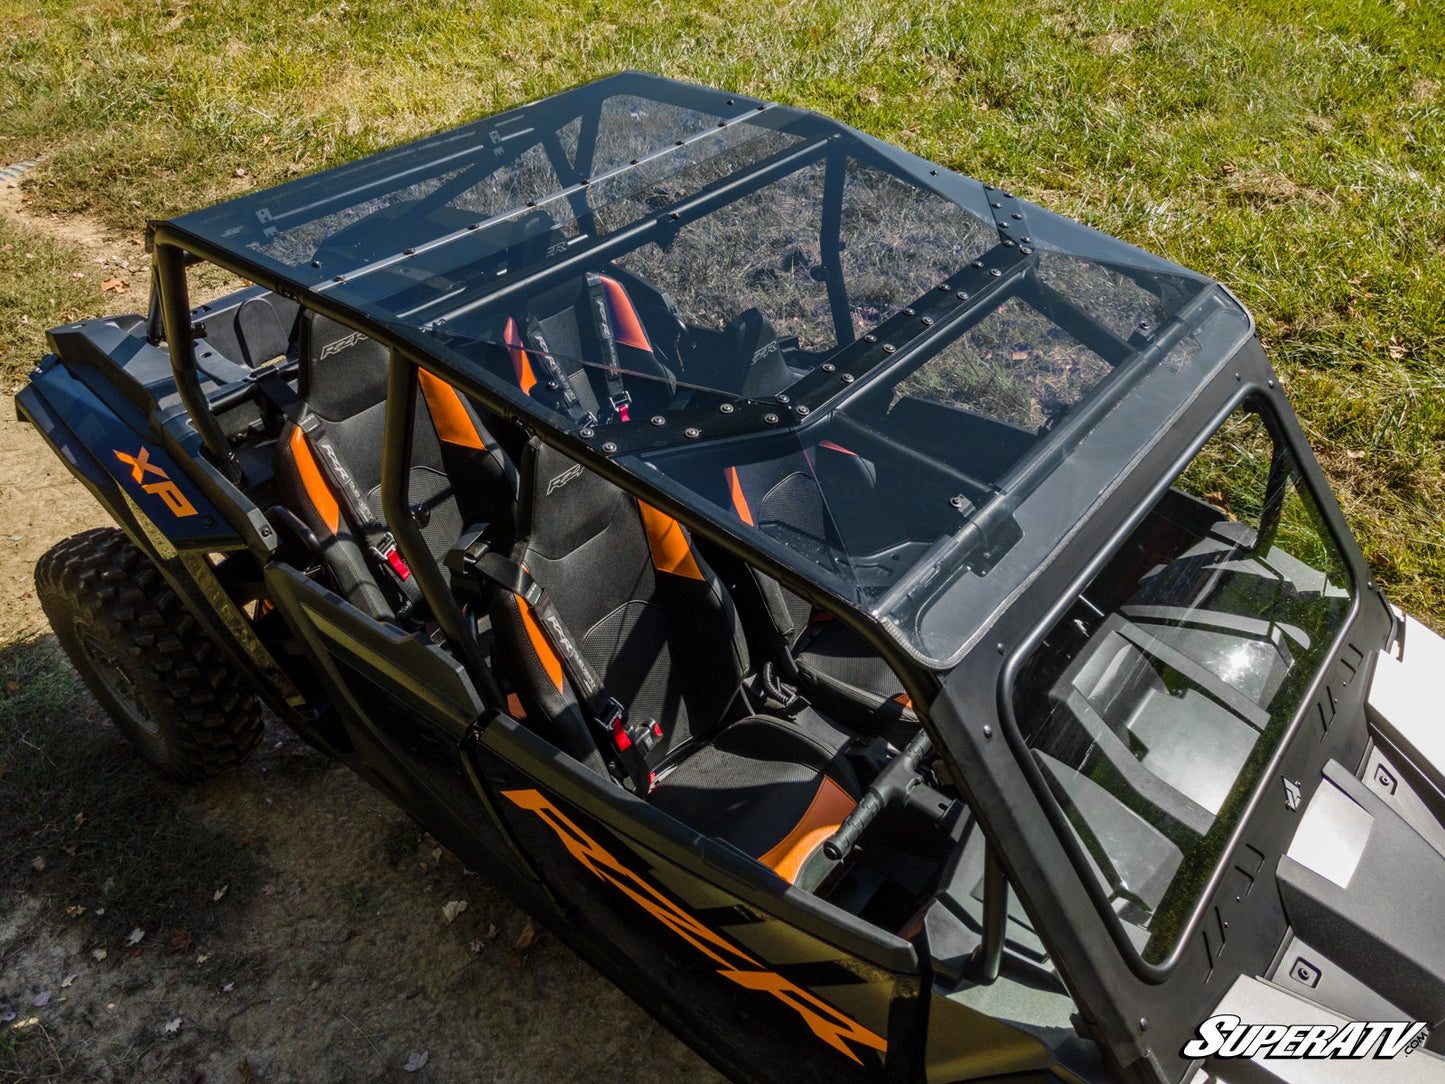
[140, 465]
[826, 1022]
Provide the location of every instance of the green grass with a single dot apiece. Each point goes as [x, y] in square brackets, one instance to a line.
[1292, 151]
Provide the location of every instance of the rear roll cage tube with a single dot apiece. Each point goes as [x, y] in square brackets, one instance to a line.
[170, 278]
[395, 457]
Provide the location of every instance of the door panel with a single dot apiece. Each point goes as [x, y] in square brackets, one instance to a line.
[713, 937]
[407, 705]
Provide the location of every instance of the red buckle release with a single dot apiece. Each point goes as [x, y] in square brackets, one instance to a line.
[398, 565]
[619, 735]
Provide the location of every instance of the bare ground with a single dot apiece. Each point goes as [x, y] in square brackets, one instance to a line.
[339, 963]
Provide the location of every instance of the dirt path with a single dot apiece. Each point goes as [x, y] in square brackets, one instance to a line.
[338, 964]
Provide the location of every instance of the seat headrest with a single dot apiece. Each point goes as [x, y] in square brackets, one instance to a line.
[569, 504]
[343, 372]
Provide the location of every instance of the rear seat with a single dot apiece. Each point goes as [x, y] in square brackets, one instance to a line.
[337, 436]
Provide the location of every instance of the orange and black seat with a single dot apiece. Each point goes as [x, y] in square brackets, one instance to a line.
[658, 628]
[818, 500]
[328, 465]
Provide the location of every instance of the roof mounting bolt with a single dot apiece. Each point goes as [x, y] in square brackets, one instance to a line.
[474, 225]
[722, 124]
[770, 419]
[933, 173]
[801, 411]
[957, 502]
[909, 312]
[783, 398]
[408, 252]
[633, 162]
[1143, 1023]
[531, 203]
[988, 732]
[588, 433]
[1008, 244]
[944, 287]
[829, 367]
[888, 348]
[551, 385]
[761, 107]
[976, 263]
[848, 378]
[962, 295]
[1008, 195]
[586, 180]
[339, 278]
[1026, 250]
[995, 205]
[726, 408]
[928, 321]
[1143, 325]
[682, 142]
[315, 263]
[673, 215]
[692, 432]
[658, 419]
[1003, 225]
[994, 272]
[1270, 382]
[1017, 216]
[870, 338]
[1026, 240]
[609, 447]
[730, 102]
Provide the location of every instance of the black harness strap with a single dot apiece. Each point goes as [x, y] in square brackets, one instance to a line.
[632, 741]
[617, 394]
[380, 546]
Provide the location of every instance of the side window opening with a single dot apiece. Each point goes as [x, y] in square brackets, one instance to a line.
[1152, 705]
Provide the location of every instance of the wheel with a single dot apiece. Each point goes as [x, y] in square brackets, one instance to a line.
[171, 690]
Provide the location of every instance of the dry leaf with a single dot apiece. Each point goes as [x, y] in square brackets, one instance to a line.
[137, 935]
[41, 999]
[75, 910]
[202, 957]
[1397, 348]
[451, 909]
[98, 954]
[526, 938]
[416, 1061]
[219, 893]
[244, 1073]
[38, 864]
[68, 981]
[476, 945]
[492, 931]
[120, 286]
[172, 1026]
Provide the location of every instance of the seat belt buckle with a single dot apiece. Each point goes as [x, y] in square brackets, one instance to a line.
[387, 551]
[633, 741]
[622, 406]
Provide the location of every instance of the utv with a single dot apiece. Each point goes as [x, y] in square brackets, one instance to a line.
[893, 632]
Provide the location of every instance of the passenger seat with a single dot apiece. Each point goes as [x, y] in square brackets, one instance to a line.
[659, 629]
[328, 465]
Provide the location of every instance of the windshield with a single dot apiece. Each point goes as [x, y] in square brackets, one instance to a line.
[868, 366]
[1153, 704]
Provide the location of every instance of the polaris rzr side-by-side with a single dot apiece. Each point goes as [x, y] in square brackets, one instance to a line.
[893, 632]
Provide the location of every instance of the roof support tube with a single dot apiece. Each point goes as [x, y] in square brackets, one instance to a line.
[170, 279]
[984, 964]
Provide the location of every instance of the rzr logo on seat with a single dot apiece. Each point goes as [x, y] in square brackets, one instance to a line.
[140, 465]
[346, 342]
[556, 483]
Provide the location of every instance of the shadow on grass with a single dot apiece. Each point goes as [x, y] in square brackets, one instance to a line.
[91, 830]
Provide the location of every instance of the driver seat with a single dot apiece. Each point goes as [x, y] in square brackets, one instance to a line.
[658, 627]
